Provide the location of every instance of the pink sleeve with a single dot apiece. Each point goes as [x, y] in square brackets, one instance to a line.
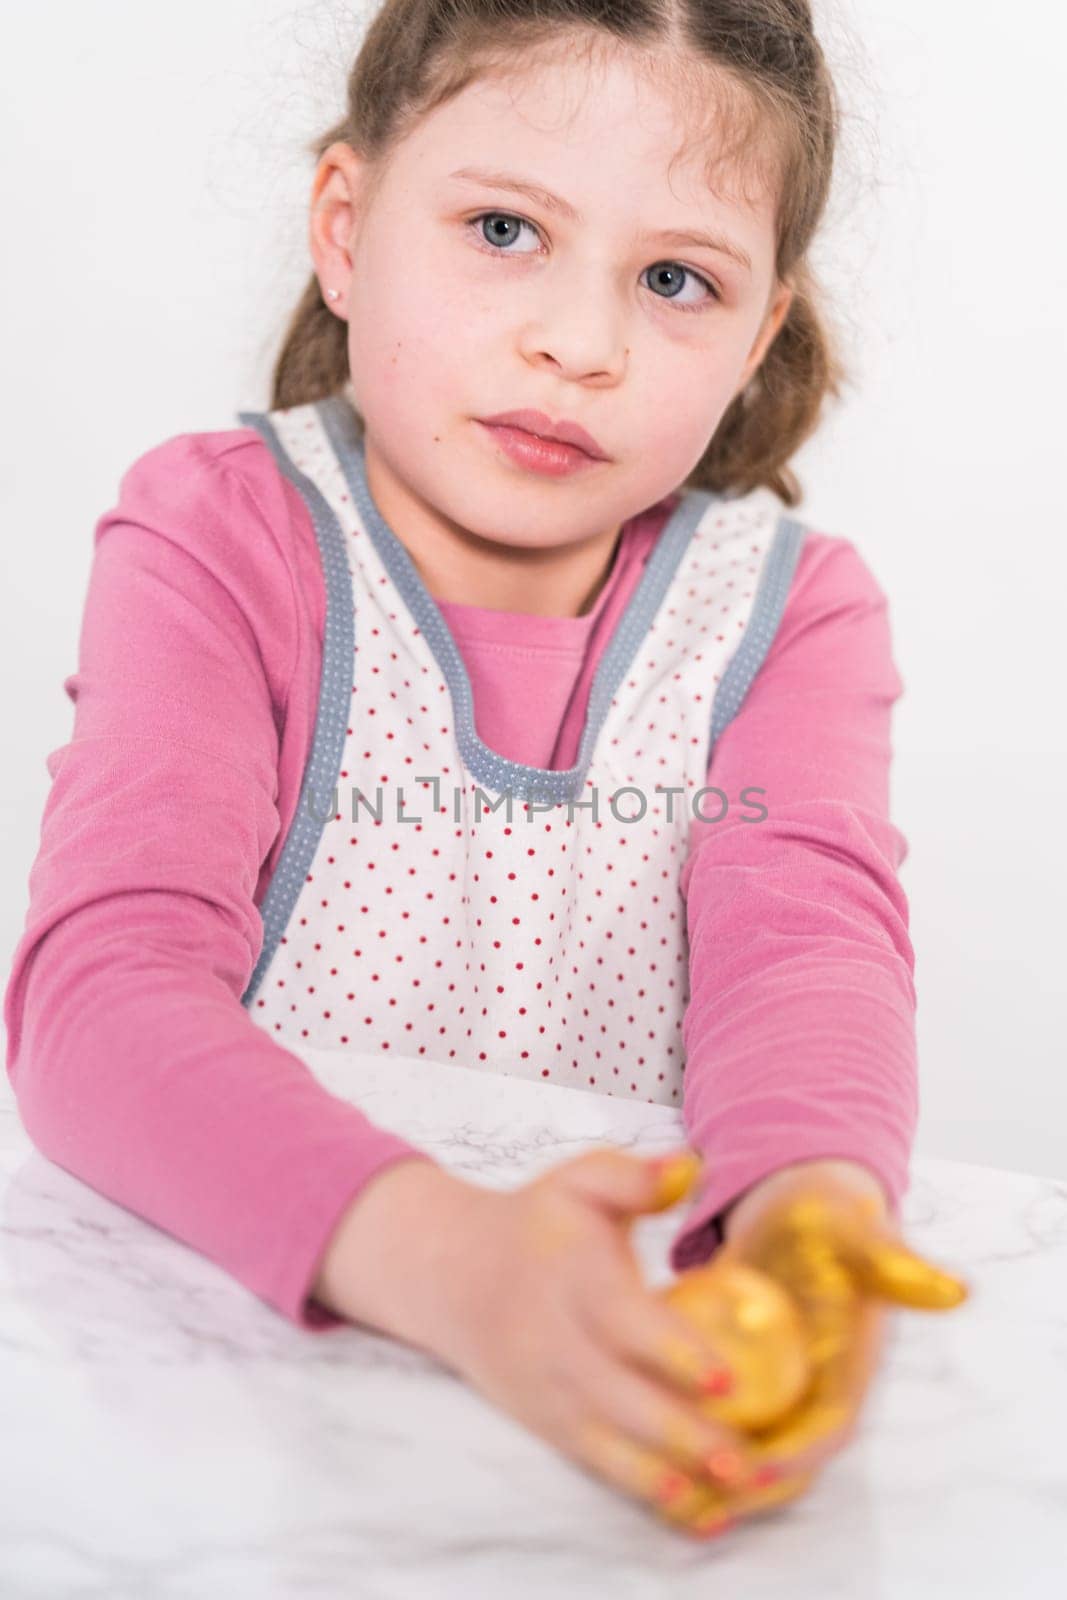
[133, 1062]
[800, 1031]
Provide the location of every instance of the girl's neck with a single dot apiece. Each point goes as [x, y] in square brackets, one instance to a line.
[519, 591]
[461, 568]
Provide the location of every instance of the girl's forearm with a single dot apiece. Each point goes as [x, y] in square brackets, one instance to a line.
[394, 1247]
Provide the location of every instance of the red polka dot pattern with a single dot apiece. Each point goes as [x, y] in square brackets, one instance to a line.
[550, 944]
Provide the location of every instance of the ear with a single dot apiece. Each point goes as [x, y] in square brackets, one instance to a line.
[334, 214]
[769, 330]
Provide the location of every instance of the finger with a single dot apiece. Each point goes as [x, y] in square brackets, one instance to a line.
[810, 1435]
[676, 1498]
[657, 1418]
[659, 1347]
[828, 1416]
[708, 1509]
[877, 1258]
[750, 1505]
[705, 1510]
[649, 1477]
[884, 1265]
[652, 1335]
[625, 1185]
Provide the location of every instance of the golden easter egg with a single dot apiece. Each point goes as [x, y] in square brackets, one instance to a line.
[758, 1330]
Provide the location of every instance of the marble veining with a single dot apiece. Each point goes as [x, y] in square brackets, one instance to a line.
[167, 1434]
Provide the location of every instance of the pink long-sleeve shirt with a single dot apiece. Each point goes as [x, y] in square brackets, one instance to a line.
[133, 1062]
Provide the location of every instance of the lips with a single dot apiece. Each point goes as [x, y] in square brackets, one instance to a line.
[565, 432]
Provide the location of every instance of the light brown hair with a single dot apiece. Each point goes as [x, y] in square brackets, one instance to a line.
[779, 100]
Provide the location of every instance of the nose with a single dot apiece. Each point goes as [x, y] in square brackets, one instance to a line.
[578, 335]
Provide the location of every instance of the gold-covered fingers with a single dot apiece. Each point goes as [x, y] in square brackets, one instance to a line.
[890, 1269]
[642, 1473]
[703, 1508]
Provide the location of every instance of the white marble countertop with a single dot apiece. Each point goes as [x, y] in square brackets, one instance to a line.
[166, 1434]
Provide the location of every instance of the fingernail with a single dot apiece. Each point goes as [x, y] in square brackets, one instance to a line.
[676, 1176]
[727, 1465]
[717, 1382]
[689, 1363]
[671, 1487]
[766, 1474]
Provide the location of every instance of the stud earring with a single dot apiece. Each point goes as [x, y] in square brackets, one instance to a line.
[333, 294]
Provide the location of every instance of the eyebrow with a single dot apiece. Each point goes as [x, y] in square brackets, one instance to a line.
[554, 202]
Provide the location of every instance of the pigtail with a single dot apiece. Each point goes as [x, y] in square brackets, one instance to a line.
[780, 407]
[313, 361]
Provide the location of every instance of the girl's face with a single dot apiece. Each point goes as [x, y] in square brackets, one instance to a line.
[466, 297]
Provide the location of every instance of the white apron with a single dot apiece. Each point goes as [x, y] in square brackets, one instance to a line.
[434, 898]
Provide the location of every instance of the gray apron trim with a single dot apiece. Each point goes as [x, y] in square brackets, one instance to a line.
[766, 613]
[331, 722]
[494, 772]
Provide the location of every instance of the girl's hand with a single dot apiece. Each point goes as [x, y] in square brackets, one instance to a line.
[833, 1246]
[547, 1314]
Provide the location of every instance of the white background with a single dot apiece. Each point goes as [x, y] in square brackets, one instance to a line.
[155, 182]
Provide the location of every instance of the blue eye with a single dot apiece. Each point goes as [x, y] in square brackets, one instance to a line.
[677, 268]
[505, 217]
[500, 242]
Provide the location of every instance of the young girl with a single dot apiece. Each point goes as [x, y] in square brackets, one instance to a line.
[480, 701]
